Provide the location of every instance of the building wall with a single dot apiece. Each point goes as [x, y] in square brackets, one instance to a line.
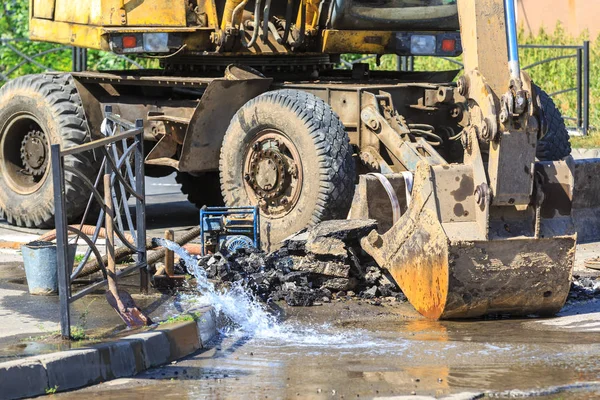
[575, 15]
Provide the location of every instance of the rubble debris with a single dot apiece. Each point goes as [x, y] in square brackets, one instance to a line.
[315, 266]
[325, 263]
[584, 289]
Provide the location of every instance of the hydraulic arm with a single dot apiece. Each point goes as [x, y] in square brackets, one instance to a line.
[473, 240]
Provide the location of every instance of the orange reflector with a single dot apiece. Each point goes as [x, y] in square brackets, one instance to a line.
[448, 45]
[129, 42]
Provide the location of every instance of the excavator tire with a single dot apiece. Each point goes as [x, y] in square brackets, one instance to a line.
[36, 111]
[201, 190]
[555, 144]
[294, 145]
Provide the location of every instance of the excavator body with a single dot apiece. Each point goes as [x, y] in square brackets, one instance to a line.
[478, 213]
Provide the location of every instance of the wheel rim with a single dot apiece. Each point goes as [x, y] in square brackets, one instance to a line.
[25, 153]
[273, 173]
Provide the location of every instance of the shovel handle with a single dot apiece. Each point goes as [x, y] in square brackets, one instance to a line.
[111, 270]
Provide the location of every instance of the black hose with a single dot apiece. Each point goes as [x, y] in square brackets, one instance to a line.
[289, 13]
[426, 131]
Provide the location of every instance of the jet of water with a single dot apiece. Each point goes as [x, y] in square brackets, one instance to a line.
[238, 304]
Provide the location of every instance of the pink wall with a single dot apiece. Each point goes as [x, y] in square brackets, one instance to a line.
[575, 15]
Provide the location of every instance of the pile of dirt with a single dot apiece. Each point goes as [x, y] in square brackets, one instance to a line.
[317, 265]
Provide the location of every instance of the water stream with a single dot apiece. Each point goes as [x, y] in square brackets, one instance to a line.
[246, 315]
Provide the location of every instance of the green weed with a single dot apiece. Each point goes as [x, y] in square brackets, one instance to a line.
[52, 390]
[188, 317]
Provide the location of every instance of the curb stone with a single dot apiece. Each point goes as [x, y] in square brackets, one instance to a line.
[585, 153]
[456, 396]
[72, 369]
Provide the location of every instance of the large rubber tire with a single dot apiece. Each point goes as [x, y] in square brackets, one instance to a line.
[555, 144]
[328, 168]
[201, 190]
[49, 102]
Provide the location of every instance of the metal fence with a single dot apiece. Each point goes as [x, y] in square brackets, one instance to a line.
[582, 88]
[123, 141]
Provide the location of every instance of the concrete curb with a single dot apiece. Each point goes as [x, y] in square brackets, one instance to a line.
[585, 153]
[72, 369]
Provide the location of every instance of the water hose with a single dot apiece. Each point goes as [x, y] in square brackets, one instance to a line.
[124, 251]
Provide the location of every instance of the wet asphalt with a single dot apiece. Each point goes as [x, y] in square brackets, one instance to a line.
[349, 349]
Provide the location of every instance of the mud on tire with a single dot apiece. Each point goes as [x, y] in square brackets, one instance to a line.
[49, 105]
[328, 171]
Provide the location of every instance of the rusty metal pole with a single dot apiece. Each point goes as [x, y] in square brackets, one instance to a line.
[111, 269]
[169, 255]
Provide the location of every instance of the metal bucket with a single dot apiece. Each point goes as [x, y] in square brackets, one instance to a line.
[446, 272]
[41, 266]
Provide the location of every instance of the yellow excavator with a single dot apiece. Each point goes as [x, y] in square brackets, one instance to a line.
[469, 178]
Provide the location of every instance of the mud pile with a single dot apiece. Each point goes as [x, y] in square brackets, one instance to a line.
[317, 265]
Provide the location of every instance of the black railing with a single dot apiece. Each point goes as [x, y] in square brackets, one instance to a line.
[122, 141]
[582, 87]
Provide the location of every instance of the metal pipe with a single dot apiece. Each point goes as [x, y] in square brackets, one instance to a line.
[230, 6]
[140, 206]
[111, 269]
[312, 12]
[266, 15]
[302, 32]
[62, 240]
[579, 88]
[256, 24]
[586, 87]
[511, 38]
[274, 32]
[238, 10]
[289, 12]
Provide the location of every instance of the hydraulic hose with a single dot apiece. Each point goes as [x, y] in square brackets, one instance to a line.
[511, 34]
[289, 12]
[237, 12]
[228, 12]
[256, 23]
[266, 16]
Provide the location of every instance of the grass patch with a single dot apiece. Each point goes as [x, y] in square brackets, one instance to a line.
[52, 390]
[188, 317]
[591, 141]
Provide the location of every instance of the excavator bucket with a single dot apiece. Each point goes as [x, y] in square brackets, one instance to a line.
[447, 269]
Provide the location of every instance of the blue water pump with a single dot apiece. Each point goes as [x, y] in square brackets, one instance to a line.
[227, 229]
